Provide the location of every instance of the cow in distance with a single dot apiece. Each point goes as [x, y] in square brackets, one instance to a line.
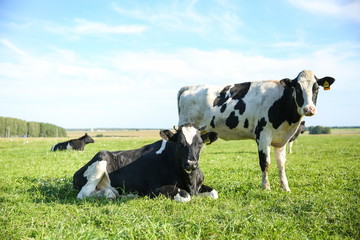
[74, 144]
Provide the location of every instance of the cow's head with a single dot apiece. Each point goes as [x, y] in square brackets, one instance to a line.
[88, 139]
[189, 144]
[306, 88]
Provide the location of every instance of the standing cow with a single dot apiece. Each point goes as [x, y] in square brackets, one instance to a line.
[301, 129]
[269, 112]
[169, 167]
[74, 144]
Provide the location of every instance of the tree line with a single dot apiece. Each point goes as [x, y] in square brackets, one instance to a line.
[13, 127]
[319, 130]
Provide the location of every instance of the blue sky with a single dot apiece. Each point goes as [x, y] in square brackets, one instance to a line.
[84, 64]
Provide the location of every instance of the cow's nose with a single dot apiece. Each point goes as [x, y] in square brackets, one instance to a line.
[309, 110]
[192, 164]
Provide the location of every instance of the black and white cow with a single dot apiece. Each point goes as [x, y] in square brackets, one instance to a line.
[269, 112]
[301, 130]
[169, 167]
[74, 144]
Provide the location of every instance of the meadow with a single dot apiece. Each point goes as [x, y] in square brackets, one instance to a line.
[37, 200]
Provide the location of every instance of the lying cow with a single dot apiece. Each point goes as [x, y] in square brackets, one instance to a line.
[267, 111]
[301, 130]
[169, 167]
[74, 144]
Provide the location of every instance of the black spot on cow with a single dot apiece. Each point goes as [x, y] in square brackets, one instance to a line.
[238, 92]
[315, 91]
[259, 128]
[262, 159]
[246, 123]
[299, 94]
[223, 107]
[285, 108]
[241, 106]
[222, 98]
[232, 121]
[212, 123]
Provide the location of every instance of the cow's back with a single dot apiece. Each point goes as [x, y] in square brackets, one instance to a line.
[115, 161]
[233, 111]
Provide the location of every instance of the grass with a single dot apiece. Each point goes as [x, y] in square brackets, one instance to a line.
[37, 200]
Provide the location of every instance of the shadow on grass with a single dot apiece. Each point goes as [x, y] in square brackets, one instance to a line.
[60, 190]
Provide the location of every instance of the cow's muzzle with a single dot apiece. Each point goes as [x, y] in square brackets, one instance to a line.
[190, 165]
[309, 110]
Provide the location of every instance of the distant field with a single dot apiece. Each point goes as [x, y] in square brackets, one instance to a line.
[37, 200]
[346, 131]
[117, 133]
[155, 133]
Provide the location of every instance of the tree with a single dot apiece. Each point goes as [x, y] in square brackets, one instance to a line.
[12, 127]
[319, 130]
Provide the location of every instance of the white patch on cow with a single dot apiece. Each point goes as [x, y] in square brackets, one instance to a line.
[163, 145]
[189, 133]
[213, 194]
[306, 80]
[179, 198]
[69, 147]
[94, 174]
[53, 147]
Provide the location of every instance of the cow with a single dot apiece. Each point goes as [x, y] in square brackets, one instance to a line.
[74, 144]
[168, 167]
[301, 130]
[268, 112]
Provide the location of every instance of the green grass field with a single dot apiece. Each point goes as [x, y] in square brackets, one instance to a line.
[38, 202]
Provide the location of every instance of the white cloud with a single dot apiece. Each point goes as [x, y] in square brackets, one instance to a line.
[120, 88]
[187, 16]
[12, 46]
[84, 26]
[338, 8]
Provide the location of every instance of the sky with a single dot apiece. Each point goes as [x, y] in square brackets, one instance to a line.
[120, 64]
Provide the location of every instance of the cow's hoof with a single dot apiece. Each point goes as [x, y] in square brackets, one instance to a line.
[287, 189]
[182, 196]
[213, 194]
[109, 194]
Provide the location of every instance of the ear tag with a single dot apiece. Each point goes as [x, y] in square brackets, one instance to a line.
[326, 85]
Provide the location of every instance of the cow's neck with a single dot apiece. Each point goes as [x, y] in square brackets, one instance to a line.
[284, 109]
[190, 182]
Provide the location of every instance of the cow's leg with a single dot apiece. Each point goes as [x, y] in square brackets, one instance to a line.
[290, 147]
[280, 155]
[264, 159]
[173, 192]
[208, 192]
[105, 185]
[95, 174]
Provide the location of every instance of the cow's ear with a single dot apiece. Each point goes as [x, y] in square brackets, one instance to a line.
[286, 82]
[209, 137]
[326, 82]
[167, 135]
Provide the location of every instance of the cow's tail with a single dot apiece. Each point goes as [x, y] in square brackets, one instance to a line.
[181, 91]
